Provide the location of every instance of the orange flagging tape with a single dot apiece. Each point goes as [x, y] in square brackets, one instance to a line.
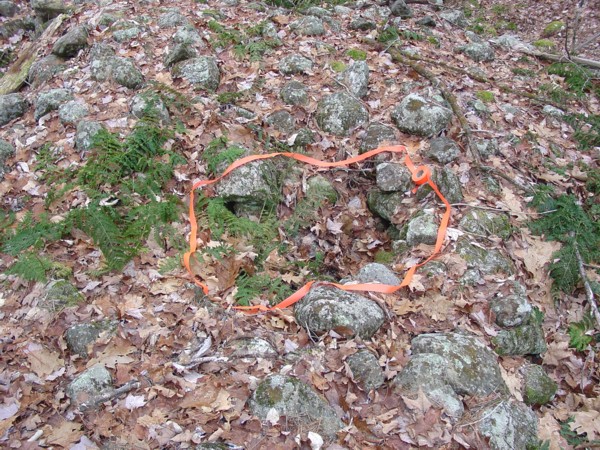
[420, 174]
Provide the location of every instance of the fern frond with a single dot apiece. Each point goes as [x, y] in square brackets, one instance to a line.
[32, 233]
[31, 267]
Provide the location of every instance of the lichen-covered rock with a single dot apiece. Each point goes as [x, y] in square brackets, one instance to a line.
[376, 273]
[294, 64]
[308, 26]
[434, 268]
[340, 113]
[317, 12]
[44, 69]
[455, 17]
[487, 147]
[511, 41]
[428, 372]
[385, 204]
[68, 45]
[422, 230]
[508, 425]
[81, 335]
[448, 183]
[172, 18]
[326, 308]
[356, 78]
[472, 367]
[126, 34]
[416, 115]
[426, 21]
[252, 184]
[528, 339]
[252, 348]
[321, 187]
[443, 150]
[539, 388]
[50, 101]
[179, 52]
[294, 93]
[486, 223]
[478, 52]
[12, 106]
[362, 24]
[6, 151]
[511, 311]
[366, 371]
[187, 35]
[400, 9]
[149, 105]
[86, 131]
[282, 121]
[7, 9]
[202, 72]
[71, 112]
[486, 261]
[378, 134]
[305, 136]
[59, 294]
[342, 10]
[393, 177]
[552, 111]
[49, 9]
[296, 401]
[105, 66]
[89, 384]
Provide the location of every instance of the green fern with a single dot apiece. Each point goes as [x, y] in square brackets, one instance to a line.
[218, 155]
[31, 267]
[579, 332]
[33, 233]
[251, 287]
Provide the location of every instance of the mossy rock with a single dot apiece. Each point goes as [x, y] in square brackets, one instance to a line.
[385, 204]
[365, 369]
[544, 44]
[526, 339]
[486, 261]
[538, 386]
[340, 113]
[553, 28]
[79, 336]
[486, 223]
[320, 187]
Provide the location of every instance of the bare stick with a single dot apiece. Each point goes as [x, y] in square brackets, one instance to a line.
[589, 293]
[109, 395]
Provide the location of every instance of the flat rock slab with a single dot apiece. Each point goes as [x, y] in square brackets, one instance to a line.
[327, 308]
[279, 395]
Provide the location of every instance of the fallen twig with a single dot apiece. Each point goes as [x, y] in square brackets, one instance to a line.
[109, 395]
[589, 293]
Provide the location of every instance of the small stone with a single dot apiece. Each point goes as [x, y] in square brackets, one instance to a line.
[448, 183]
[317, 12]
[71, 112]
[325, 308]
[393, 177]
[294, 93]
[6, 151]
[298, 402]
[508, 425]
[365, 369]
[385, 204]
[478, 52]
[455, 17]
[59, 294]
[89, 384]
[186, 35]
[511, 311]
[49, 9]
[539, 387]
[304, 137]
[180, 52]
[400, 9]
[253, 348]
[12, 106]
[68, 46]
[126, 34]
[81, 335]
[340, 113]
[86, 131]
[295, 64]
[426, 21]
[486, 223]
[7, 9]
[282, 121]
[487, 147]
[553, 28]
[522, 340]
[341, 10]
[356, 78]
[416, 115]
[376, 273]
[553, 111]
[44, 69]
[443, 150]
[251, 184]
[202, 72]
[171, 19]
[422, 230]
[362, 24]
[149, 105]
[126, 74]
[378, 134]
[486, 261]
[50, 101]
[308, 26]
[321, 187]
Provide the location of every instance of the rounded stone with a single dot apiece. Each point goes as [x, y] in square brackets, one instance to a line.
[149, 105]
[202, 72]
[325, 308]
[422, 230]
[295, 64]
[308, 26]
[378, 134]
[443, 150]
[71, 112]
[321, 187]
[89, 384]
[366, 371]
[421, 117]
[68, 46]
[282, 121]
[51, 101]
[376, 273]
[171, 19]
[356, 78]
[539, 388]
[44, 69]
[392, 177]
[294, 93]
[12, 106]
[508, 425]
[340, 113]
[486, 223]
[86, 131]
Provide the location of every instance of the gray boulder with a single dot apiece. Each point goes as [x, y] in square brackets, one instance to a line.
[251, 183]
[443, 150]
[317, 11]
[392, 177]
[71, 112]
[508, 425]
[340, 113]
[366, 371]
[81, 335]
[86, 131]
[149, 105]
[512, 310]
[6, 151]
[12, 106]
[49, 9]
[400, 9]
[485, 261]
[179, 52]
[356, 78]
[385, 204]
[362, 24]
[44, 69]
[282, 121]
[294, 93]
[296, 401]
[478, 52]
[105, 66]
[187, 35]
[126, 34]
[71, 43]
[7, 9]
[422, 230]
[326, 308]
[308, 26]
[202, 72]
[416, 115]
[378, 134]
[448, 183]
[172, 18]
[526, 339]
[455, 17]
[294, 64]
[50, 101]
[486, 223]
[376, 273]
[89, 384]
[320, 187]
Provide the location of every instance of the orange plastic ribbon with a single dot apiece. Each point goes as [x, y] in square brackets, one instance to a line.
[420, 174]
